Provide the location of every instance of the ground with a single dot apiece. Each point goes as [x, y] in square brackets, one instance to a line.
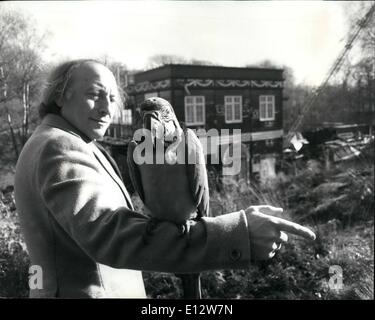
[337, 204]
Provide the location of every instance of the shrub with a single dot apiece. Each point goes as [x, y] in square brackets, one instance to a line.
[338, 204]
[14, 259]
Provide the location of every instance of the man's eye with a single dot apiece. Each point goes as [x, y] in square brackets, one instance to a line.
[97, 95]
[94, 96]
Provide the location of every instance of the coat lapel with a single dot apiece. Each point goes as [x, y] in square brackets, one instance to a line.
[109, 158]
[102, 156]
[105, 160]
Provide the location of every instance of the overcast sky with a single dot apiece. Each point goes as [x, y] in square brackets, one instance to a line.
[305, 35]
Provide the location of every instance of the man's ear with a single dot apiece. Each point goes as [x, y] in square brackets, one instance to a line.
[58, 102]
[67, 95]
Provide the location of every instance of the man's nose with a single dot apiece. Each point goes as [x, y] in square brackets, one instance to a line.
[105, 106]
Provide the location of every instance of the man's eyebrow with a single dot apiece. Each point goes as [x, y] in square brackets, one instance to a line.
[98, 87]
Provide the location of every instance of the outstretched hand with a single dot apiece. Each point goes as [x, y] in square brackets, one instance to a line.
[268, 232]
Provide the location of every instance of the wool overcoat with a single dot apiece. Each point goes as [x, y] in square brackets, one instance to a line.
[81, 229]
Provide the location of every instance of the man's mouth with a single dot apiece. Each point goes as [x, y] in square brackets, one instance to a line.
[100, 121]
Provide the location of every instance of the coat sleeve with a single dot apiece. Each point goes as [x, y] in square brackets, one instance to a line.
[69, 180]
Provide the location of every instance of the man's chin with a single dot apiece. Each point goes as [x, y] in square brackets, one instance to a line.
[96, 135]
[99, 136]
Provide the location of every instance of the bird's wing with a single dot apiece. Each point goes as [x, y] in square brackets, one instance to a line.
[197, 172]
[135, 175]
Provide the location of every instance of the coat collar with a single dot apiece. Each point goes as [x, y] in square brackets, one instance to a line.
[54, 120]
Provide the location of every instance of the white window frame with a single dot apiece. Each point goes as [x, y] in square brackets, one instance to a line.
[127, 117]
[109, 131]
[231, 104]
[194, 105]
[264, 102]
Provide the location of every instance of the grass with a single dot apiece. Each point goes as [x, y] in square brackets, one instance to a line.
[299, 271]
[338, 204]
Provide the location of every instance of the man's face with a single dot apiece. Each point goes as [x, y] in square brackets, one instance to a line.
[90, 100]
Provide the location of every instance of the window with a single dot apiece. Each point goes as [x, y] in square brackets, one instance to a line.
[233, 109]
[123, 116]
[266, 108]
[127, 117]
[110, 131]
[195, 110]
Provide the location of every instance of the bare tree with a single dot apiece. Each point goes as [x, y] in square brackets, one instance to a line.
[360, 72]
[354, 11]
[20, 72]
[159, 60]
[199, 62]
[119, 69]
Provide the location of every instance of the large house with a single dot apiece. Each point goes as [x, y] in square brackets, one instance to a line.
[237, 113]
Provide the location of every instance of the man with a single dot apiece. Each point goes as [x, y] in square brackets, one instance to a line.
[77, 217]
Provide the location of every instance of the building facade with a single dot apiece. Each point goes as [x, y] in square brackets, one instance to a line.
[236, 112]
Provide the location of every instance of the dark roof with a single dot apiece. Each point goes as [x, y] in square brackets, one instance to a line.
[207, 71]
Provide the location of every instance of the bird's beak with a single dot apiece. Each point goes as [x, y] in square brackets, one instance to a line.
[152, 123]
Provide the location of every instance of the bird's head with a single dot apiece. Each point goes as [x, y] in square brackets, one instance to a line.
[159, 118]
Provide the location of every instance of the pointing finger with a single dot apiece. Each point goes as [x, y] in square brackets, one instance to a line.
[295, 228]
[271, 254]
[276, 209]
[266, 209]
[283, 237]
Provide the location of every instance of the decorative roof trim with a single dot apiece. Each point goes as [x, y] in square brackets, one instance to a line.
[148, 86]
[204, 83]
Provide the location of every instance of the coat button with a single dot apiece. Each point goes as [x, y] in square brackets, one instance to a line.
[235, 254]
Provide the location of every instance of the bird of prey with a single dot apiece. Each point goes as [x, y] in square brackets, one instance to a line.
[173, 185]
